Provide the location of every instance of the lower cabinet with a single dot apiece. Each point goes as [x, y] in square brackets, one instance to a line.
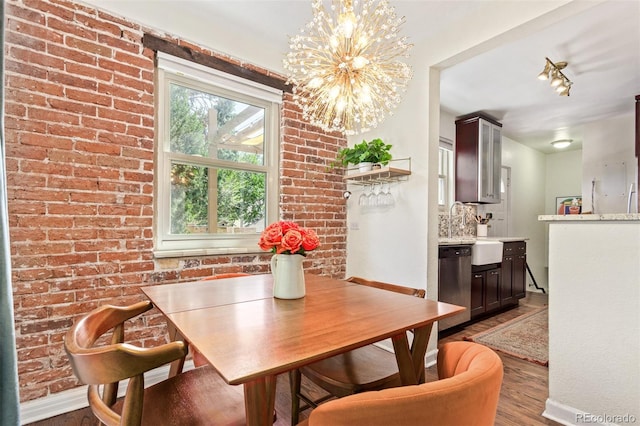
[485, 289]
[497, 286]
[514, 272]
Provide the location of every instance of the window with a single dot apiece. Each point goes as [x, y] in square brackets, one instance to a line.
[217, 160]
[445, 174]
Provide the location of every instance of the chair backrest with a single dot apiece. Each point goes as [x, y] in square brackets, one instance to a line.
[96, 363]
[467, 394]
[390, 287]
[226, 275]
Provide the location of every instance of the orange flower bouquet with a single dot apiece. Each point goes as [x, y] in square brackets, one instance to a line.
[285, 237]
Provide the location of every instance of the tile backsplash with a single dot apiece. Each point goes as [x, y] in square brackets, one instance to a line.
[469, 230]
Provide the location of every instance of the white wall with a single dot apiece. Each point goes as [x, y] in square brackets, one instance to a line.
[388, 243]
[447, 125]
[563, 177]
[594, 321]
[528, 168]
[608, 156]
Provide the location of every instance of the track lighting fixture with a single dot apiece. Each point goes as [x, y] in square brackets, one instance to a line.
[559, 81]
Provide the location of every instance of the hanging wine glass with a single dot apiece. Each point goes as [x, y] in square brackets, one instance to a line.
[388, 196]
[372, 199]
[363, 200]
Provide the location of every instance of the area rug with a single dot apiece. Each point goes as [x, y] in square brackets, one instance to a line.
[525, 337]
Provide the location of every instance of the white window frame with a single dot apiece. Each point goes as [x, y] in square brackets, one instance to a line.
[174, 70]
[446, 172]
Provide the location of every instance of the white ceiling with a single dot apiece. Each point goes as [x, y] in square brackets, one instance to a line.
[601, 45]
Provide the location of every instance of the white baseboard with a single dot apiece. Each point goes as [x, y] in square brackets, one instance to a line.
[76, 398]
[570, 416]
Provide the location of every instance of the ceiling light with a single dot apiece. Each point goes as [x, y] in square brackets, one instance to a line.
[561, 143]
[559, 81]
[344, 65]
[544, 75]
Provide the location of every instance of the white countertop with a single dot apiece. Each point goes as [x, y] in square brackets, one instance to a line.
[590, 217]
[472, 240]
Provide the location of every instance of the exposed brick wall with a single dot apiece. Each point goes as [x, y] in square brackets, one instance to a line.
[79, 130]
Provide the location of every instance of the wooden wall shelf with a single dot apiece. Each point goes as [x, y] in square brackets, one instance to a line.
[396, 170]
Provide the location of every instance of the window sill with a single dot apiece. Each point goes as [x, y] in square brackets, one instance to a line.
[163, 254]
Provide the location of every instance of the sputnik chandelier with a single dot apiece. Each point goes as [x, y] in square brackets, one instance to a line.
[345, 67]
[559, 81]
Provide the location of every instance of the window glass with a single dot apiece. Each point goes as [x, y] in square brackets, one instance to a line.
[445, 174]
[212, 200]
[216, 163]
[206, 125]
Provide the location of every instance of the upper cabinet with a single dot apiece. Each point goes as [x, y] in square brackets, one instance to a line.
[478, 154]
[638, 127]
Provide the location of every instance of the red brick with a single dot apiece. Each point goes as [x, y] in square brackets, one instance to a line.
[73, 107]
[35, 86]
[120, 43]
[53, 116]
[87, 229]
[113, 115]
[71, 54]
[89, 47]
[89, 97]
[64, 27]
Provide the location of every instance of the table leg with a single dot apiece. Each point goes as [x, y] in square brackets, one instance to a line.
[259, 401]
[419, 350]
[411, 359]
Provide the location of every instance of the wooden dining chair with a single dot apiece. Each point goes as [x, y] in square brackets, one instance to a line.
[195, 397]
[198, 359]
[363, 369]
[466, 393]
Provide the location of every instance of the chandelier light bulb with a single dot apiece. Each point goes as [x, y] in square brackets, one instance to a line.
[345, 66]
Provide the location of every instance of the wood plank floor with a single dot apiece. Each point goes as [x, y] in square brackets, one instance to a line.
[522, 399]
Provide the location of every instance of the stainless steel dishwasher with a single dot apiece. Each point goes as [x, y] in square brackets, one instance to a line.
[454, 282]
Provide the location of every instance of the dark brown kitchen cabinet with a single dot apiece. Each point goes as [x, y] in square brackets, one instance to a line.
[514, 271]
[485, 289]
[638, 144]
[478, 159]
[638, 128]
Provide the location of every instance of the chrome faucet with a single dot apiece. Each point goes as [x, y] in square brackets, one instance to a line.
[464, 215]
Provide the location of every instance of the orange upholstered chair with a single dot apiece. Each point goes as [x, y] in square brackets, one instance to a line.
[466, 394]
[198, 359]
[360, 370]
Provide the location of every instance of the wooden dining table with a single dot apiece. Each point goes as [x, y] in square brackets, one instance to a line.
[250, 337]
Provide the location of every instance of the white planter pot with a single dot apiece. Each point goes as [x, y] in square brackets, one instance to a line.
[365, 167]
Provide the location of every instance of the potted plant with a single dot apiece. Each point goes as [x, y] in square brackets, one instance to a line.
[365, 154]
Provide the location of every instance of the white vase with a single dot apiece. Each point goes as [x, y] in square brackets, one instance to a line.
[288, 276]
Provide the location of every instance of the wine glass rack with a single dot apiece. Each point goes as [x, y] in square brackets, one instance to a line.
[396, 171]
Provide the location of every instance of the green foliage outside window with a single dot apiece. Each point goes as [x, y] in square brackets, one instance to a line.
[240, 194]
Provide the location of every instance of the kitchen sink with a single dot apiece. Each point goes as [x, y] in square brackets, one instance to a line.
[485, 252]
